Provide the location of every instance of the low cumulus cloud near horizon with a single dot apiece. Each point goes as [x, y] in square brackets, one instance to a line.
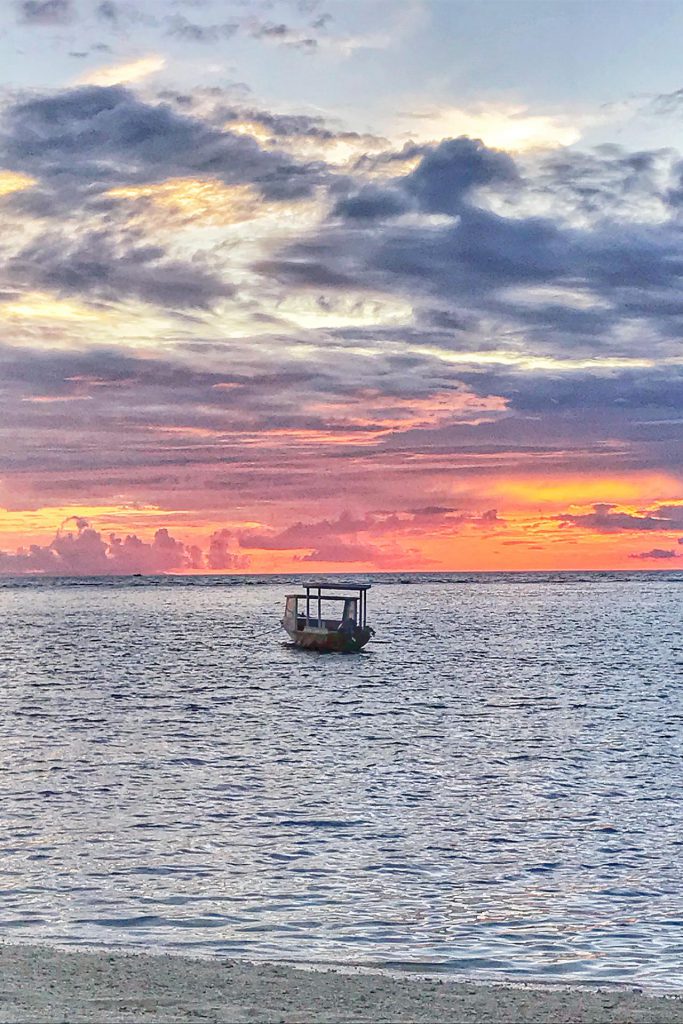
[78, 549]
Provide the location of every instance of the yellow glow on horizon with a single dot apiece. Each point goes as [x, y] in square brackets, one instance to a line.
[522, 542]
[10, 181]
[49, 517]
[583, 490]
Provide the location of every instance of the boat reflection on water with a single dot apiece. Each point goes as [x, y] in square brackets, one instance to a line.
[323, 621]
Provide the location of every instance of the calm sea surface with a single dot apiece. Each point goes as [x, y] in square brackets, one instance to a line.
[495, 790]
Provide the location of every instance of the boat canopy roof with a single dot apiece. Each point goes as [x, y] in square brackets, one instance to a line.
[336, 586]
[318, 593]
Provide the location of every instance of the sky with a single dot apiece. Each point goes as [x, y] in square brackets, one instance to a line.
[340, 285]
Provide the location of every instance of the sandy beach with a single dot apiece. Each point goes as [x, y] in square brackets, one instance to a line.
[43, 984]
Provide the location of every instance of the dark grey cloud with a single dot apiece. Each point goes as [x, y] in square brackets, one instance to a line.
[635, 394]
[306, 273]
[291, 127]
[281, 33]
[485, 253]
[192, 32]
[108, 11]
[475, 262]
[446, 175]
[667, 103]
[121, 15]
[372, 202]
[304, 36]
[98, 265]
[454, 259]
[605, 183]
[89, 139]
[45, 12]
[451, 170]
[96, 48]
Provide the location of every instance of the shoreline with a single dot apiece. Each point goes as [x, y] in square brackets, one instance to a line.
[106, 986]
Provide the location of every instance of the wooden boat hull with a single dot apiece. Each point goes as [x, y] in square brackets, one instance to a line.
[330, 641]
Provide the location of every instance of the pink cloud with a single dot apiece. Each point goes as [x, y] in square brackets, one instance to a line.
[219, 555]
[300, 536]
[343, 551]
[80, 550]
[324, 534]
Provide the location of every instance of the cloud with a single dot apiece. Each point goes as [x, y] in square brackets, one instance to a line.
[338, 551]
[78, 549]
[429, 321]
[301, 535]
[303, 135]
[307, 35]
[372, 202]
[191, 32]
[230, 420]
[98, 265]
[406, 18]
[13, 182]
[86, 140]
[325, 536]
[283, 34]
[441, 183]
[666, 103]
[460, 235]
[108, 11]
[124, 73]
[313, 32]
[449, 172]
[512, 128]
[644, 397]
[606, 519]
[45, 12]
[656, 554]
[219, 556]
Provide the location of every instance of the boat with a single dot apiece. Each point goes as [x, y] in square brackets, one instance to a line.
[322, 621]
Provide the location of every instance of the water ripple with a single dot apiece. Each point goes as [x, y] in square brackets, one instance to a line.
[495, 791]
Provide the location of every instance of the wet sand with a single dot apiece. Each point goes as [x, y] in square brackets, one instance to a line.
[42, 984]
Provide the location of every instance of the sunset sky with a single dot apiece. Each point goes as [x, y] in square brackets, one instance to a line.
[317, 285]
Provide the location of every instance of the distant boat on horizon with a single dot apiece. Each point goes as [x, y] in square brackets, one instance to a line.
[308, 626]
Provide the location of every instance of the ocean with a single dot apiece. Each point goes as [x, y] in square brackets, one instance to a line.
[493, 791]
